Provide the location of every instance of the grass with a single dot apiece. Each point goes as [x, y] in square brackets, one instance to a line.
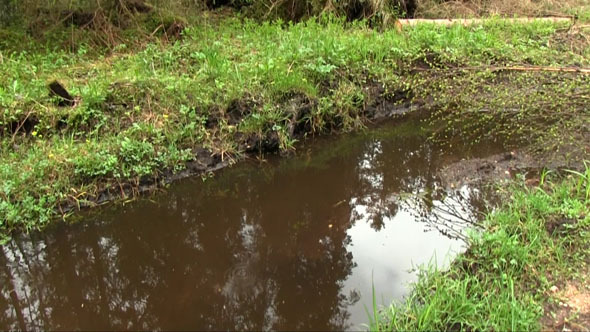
[145, 108]
[538, 239]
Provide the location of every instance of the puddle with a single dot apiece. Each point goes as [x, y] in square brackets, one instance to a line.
[293, 243]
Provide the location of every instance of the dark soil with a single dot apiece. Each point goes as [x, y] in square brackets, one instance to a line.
[384, 104]
[23, 126]
[298, 108]
[138, 6]
[78, 18]
[559, 226]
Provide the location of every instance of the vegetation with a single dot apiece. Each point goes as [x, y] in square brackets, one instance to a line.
[145, 105]
[508, 280]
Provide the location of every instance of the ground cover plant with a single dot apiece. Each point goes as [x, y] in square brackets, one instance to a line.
[515, 274]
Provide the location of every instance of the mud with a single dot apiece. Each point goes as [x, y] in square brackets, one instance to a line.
[498, 167]
[62, 96]
[240, 108]
[559, 226]
[383, 104]
[174, 30]
[298, 108]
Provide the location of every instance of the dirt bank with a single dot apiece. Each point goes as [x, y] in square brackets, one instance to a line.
[381, 106]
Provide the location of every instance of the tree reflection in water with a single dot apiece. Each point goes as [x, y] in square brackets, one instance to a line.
[258, 247]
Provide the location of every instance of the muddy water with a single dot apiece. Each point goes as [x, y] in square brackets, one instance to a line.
[291, 243]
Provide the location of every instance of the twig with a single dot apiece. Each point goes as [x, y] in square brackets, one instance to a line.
[20, 125]
[161, 26]
[274, 4]
[545, 68]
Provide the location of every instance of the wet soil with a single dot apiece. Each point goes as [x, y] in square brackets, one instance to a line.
[381, 107]
[505, 166]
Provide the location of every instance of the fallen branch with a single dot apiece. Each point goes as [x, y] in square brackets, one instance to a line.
[518, 68]
[471, 21]
[543, 68]
[19, 126]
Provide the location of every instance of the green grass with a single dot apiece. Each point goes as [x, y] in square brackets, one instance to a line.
[144, 110]
[537, 239]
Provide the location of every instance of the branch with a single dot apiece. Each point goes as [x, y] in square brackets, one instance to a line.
[517, 68]
[471, 21]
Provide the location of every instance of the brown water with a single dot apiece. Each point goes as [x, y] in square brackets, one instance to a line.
[292, 243]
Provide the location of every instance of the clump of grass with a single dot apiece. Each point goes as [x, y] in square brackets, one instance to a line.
[503, 281]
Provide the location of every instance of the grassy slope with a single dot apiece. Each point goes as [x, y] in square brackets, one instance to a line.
[145, 110]
[536, 241]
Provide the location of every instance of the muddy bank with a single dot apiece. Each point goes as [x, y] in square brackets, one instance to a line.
[381, 106]
[493, 168]
[505, 166]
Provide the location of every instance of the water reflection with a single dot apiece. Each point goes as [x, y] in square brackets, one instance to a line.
[293, 244]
